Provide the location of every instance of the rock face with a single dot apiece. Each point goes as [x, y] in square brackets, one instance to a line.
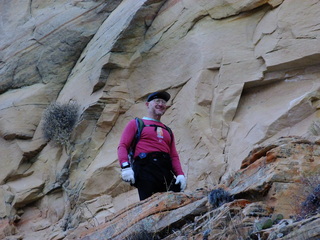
[243, 76]
[264, 204]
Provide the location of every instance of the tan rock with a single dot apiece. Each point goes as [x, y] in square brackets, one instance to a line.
[6, 199]
[11, 159]
[144, 214]
[21, 111]
[7, 229]
[38, 52]
[305, 229]
[227, 8]
[241, 75]
[275, 172]
[26, 190]
[275, 3]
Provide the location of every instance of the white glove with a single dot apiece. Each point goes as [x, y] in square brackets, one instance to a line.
[182, 181]
[127, 175]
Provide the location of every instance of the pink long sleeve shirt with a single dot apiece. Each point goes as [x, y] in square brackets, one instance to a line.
[152, 140]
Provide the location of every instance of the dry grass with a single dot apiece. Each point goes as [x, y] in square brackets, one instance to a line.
[311, 197]
[314, 128]
[59, 122]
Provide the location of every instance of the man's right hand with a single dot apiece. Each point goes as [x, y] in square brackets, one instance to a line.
[127, 175]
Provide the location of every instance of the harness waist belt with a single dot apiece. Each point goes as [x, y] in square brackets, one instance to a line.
[161, 155]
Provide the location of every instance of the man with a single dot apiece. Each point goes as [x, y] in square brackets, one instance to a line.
[156, 165]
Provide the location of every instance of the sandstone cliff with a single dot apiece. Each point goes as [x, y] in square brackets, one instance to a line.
[242, 75]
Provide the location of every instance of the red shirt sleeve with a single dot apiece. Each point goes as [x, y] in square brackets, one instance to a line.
[176, 165]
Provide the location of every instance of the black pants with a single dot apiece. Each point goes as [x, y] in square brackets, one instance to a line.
[153, 173]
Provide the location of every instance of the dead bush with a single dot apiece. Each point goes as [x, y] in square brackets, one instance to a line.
[59, 120]
[218, 197]
[311, 197]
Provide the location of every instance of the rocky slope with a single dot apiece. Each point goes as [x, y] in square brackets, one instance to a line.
[264, 203]
[243, 75]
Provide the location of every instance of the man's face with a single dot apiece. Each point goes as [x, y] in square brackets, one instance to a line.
[157, 106]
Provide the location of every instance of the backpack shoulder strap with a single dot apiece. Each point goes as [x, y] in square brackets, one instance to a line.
[140, 126]
[165, 127]
[169, 130]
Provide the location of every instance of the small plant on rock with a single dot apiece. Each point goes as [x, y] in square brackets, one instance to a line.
[314, 128]
[218, 197]
[310, 197]
[312, 203]
[141, 235]
[59, 122]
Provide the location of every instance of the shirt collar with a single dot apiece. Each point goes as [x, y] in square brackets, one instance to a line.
[147, 118]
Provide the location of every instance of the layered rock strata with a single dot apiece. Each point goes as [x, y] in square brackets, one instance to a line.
[241, 75]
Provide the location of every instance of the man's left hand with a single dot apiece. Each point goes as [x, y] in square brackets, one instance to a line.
[182, 181]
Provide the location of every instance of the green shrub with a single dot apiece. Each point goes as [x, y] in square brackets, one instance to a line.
[59, 122]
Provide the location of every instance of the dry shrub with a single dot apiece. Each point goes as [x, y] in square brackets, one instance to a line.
[218, 197]
[59, 122]
[314, 128]
[311, 197]
[142, 234]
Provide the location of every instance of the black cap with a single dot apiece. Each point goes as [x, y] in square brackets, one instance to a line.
[163, 95]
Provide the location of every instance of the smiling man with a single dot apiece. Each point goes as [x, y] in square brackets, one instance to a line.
[155, 165]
